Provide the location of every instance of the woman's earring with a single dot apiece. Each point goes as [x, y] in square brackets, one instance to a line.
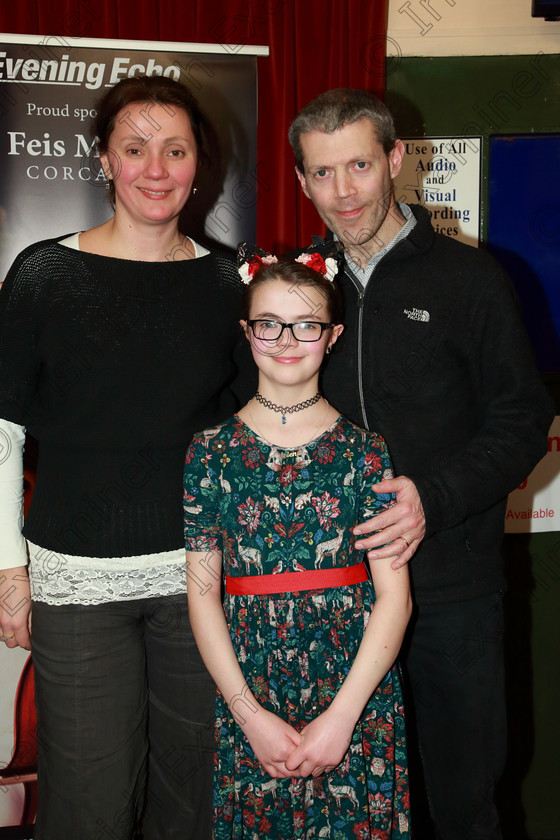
[329, 348]
[193, 191]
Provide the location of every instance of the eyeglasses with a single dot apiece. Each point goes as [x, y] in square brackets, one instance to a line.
[301, 330]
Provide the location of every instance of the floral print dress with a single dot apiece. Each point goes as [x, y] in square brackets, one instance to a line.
[272, 510]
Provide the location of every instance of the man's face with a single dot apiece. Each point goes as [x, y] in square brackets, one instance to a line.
[348, 177]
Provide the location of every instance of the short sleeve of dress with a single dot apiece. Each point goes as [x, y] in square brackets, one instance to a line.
[201, 496]
[376, 466]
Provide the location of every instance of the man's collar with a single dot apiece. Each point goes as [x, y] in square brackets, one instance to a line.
[409, 223]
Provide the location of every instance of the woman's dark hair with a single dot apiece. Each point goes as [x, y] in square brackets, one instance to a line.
[159, 90]
[298, 275]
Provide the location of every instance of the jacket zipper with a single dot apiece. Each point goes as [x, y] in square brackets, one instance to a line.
[361, 294]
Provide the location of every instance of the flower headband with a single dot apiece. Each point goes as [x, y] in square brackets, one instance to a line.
[323, 258]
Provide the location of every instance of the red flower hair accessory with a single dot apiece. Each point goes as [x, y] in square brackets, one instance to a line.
[327, 266]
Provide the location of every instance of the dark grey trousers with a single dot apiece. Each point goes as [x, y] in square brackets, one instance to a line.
[125, 722]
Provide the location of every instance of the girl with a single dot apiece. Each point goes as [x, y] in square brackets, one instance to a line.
[310, 728]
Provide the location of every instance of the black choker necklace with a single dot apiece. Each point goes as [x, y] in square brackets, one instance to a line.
[287, 409]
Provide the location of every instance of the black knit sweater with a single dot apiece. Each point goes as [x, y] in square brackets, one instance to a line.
[113, 365]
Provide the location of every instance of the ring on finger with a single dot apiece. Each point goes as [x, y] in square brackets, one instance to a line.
[7, 638]
[404, 539]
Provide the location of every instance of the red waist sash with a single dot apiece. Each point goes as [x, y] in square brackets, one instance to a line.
[296, 581]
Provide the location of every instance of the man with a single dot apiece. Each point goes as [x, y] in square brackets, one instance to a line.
[434, 356]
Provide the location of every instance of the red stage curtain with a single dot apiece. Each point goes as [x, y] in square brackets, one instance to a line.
[314, 45]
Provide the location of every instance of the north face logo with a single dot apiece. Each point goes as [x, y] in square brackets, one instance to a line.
[417, 314]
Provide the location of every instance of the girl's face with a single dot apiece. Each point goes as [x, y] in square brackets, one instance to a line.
[287, 361]
[152, 159]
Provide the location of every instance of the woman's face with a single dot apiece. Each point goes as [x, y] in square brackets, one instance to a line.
[152, 160]
[288, 361]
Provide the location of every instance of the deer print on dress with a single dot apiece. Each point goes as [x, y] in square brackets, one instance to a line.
[329, 547]
[250, 556]
[340, 791]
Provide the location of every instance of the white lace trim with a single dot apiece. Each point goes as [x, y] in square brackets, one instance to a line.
[60, 579]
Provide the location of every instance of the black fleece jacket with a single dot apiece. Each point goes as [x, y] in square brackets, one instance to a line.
[435, 356]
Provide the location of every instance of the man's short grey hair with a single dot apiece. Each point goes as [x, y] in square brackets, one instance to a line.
[336, 108]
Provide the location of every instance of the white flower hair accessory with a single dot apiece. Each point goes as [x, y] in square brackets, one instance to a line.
[250, 258]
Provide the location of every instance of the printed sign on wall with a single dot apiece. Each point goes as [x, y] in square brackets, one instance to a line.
[443, 174]
[535, 505]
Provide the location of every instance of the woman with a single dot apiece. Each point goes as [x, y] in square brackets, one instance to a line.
[310, 727]
[117, 344]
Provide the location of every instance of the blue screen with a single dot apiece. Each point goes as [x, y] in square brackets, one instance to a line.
[524, 232]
